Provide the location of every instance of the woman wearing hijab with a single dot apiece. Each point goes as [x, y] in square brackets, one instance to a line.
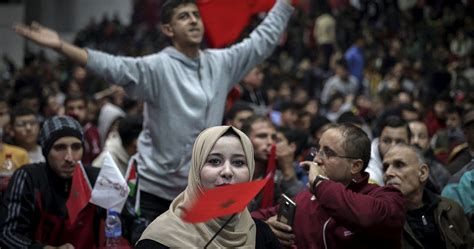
[221, 155]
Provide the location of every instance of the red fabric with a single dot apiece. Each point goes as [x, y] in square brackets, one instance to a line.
[225, 20]
[80, 194]
[269, 189]
[442, 156]
[92, 147]
[232, 97]
[133, 171]
[433, 123]
[360, 215]
[339, 4]
[54, 230]
[222, 201]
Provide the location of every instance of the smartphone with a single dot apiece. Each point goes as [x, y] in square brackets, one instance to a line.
[286, 210]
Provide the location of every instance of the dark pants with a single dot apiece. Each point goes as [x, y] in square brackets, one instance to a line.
[152, 206]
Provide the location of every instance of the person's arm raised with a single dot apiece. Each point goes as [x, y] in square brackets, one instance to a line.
[50, 39]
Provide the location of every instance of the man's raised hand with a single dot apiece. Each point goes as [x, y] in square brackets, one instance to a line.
[41, 35]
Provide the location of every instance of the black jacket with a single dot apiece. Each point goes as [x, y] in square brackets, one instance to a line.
[36, 196]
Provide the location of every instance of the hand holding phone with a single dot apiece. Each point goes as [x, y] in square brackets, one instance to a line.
[286, 210]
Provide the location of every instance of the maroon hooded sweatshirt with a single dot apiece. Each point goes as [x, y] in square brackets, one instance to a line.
[359, 215]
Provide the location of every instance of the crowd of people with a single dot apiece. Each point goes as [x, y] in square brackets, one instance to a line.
[360, 111]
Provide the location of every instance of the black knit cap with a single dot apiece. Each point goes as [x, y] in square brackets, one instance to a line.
[57, 127]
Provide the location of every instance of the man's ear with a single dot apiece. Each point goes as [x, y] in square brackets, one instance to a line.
[357, 166]
[424, 173]
[167, 30]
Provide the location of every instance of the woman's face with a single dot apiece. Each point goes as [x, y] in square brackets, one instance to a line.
[225, 164]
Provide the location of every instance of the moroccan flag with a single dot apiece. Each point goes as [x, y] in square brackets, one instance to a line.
[225, 20]
[222, 201]
[80, 193]
[269, 189]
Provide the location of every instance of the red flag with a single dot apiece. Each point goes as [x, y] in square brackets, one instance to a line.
[232, 97]
[225, 20]
[80, 193]
[222, 201]
[269, 189]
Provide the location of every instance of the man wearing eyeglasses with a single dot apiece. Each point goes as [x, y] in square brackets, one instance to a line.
[341, 209]
[24, 132]
[41, 208]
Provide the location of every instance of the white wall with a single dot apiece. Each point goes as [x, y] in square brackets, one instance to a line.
[65, 16]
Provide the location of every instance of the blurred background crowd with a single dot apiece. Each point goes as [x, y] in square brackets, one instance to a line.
[350, 61]
[340, 61]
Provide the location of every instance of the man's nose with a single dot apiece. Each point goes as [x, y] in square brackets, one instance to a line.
[270, 140]
[193, 18]
[389, 172]
[69, 155]
[317, 158]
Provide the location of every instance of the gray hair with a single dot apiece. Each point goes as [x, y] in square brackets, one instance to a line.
[419, 154]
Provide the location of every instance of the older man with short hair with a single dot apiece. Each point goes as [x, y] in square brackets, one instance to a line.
[432, 221]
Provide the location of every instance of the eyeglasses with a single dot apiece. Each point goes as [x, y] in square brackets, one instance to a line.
[326, 153]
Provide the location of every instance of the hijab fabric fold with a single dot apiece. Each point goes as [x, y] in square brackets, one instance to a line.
[169, 230]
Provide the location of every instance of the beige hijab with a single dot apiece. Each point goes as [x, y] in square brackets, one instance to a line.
[171, 231]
